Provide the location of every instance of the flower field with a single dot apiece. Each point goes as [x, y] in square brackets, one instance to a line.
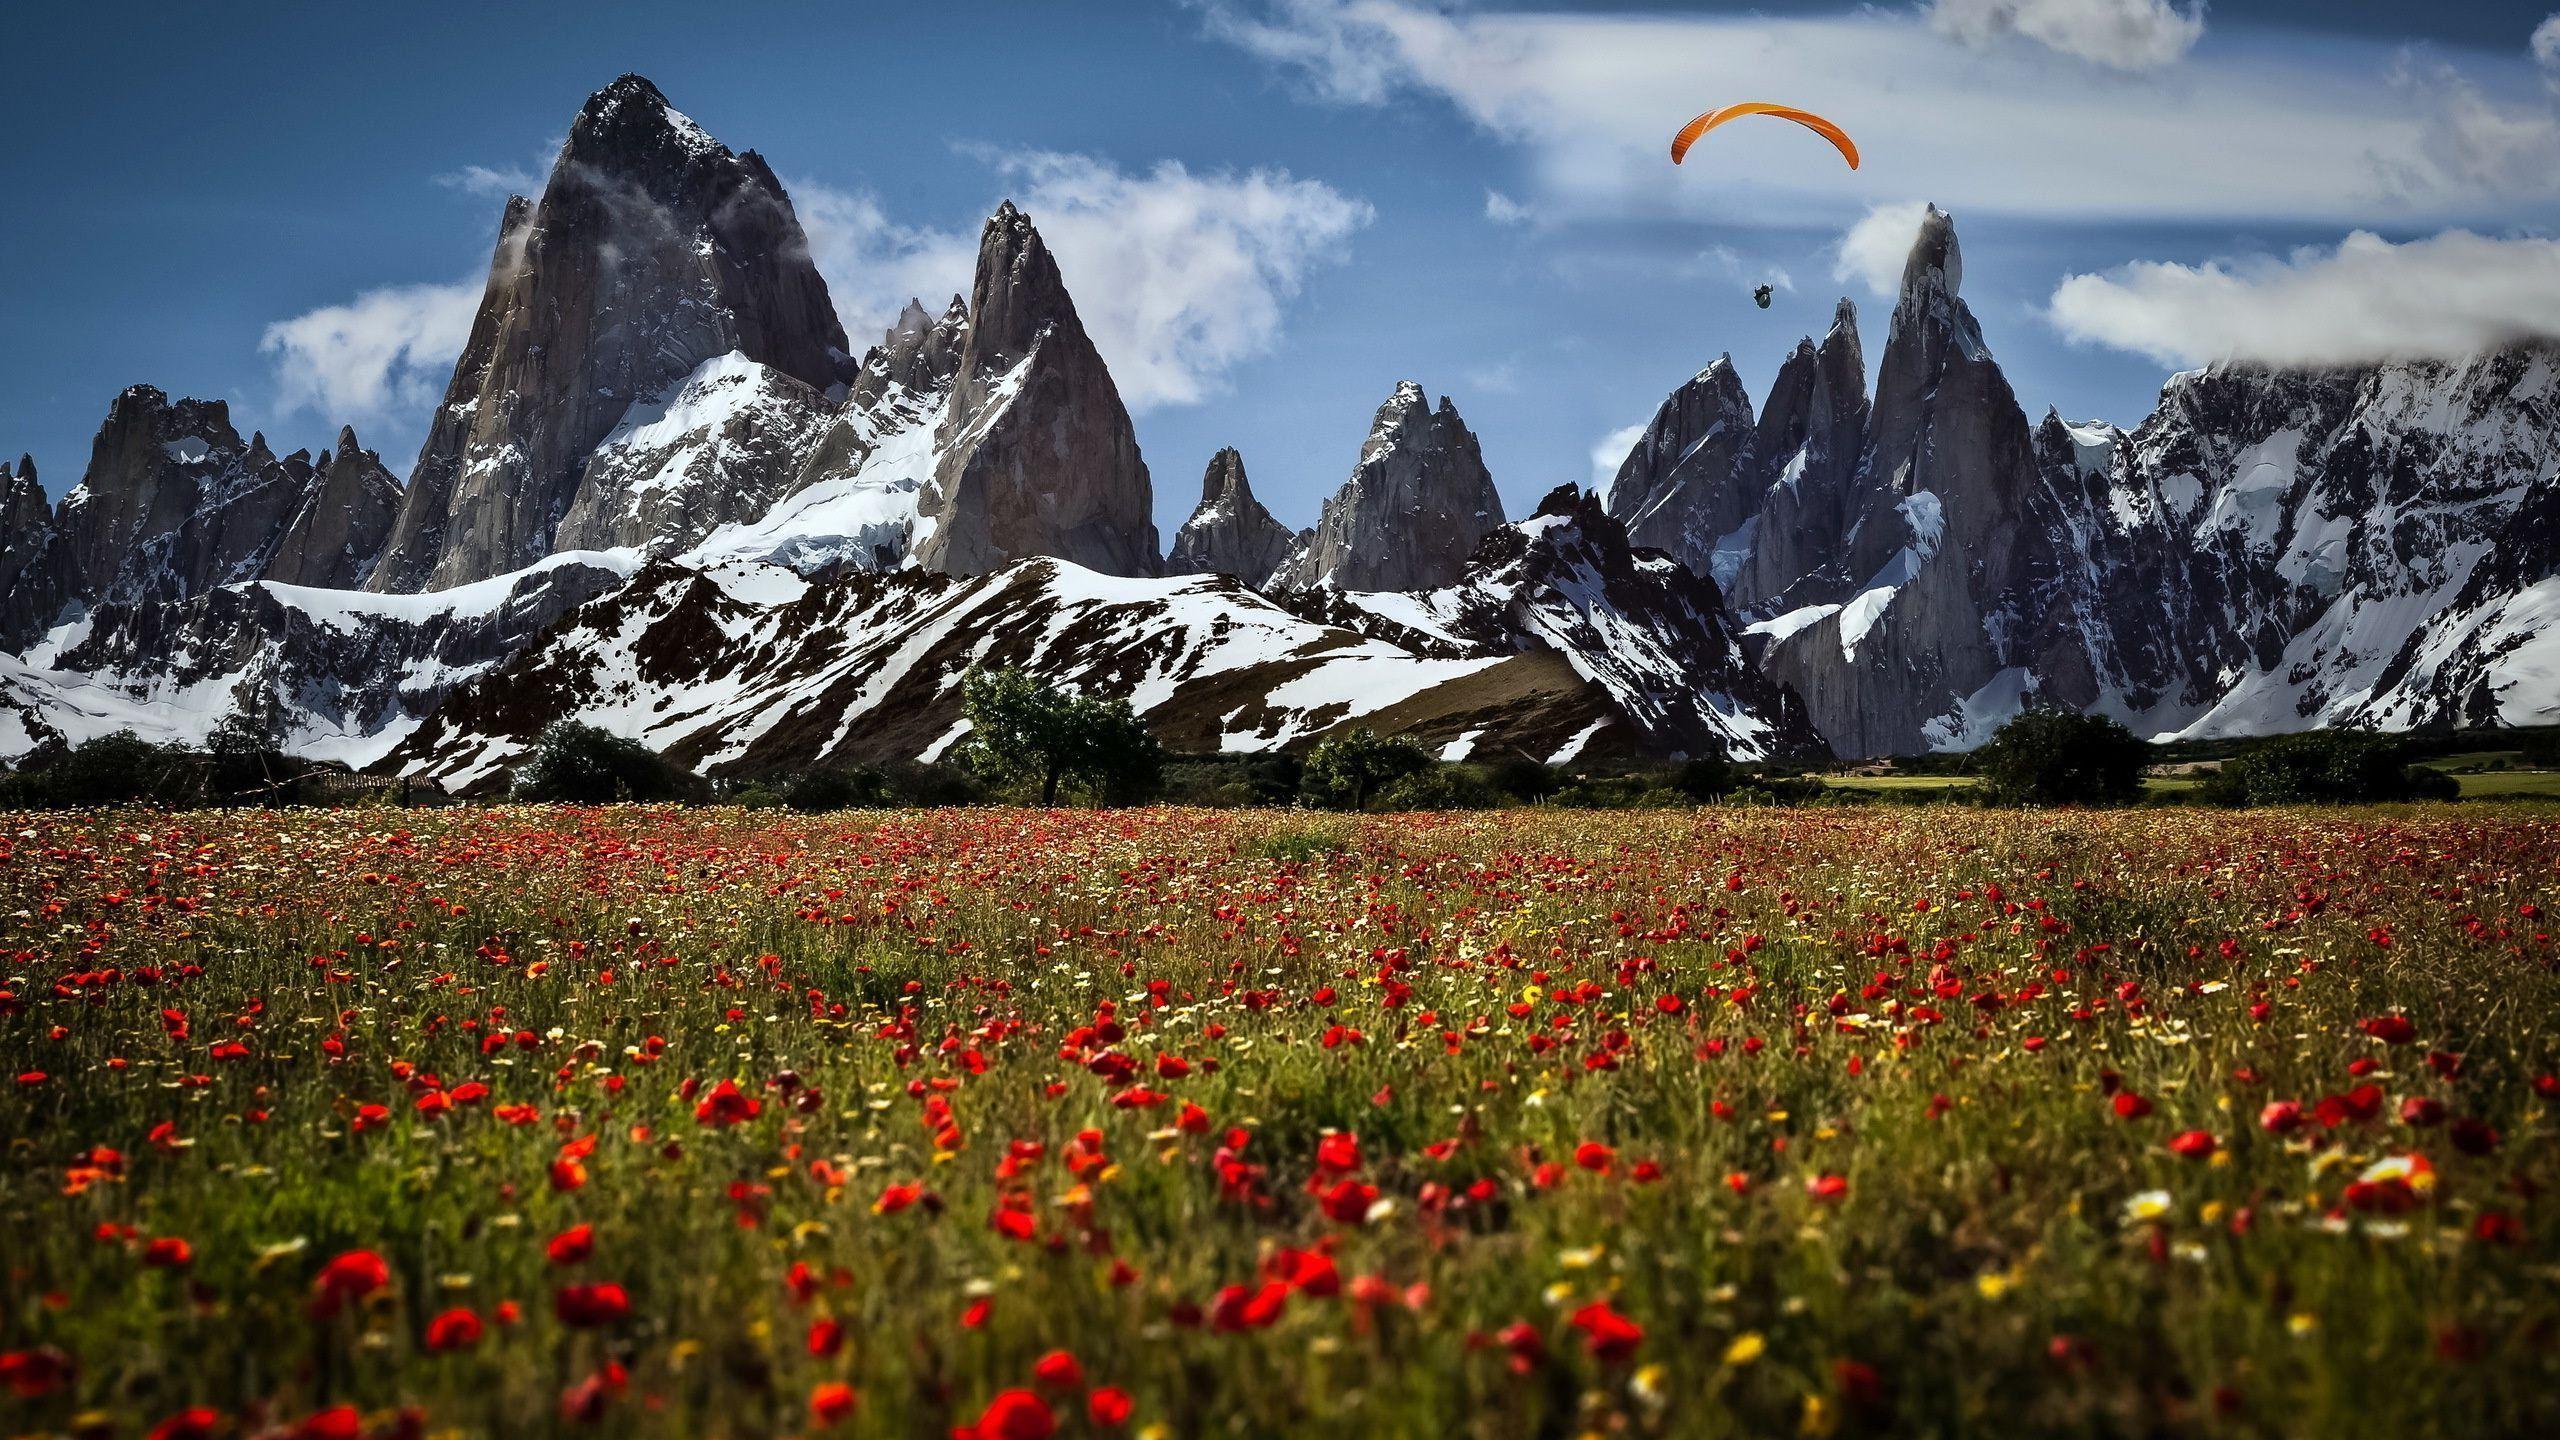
[1010, 1124]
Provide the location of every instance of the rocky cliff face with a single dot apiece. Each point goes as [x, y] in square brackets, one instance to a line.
[175, 503]
[1692, 484]
[1636, 622]
[1943, 552]
[653, 250]
[1037, 455]
[1415, 507]
[1808, 445]
[337, 533]
[1230, 533]
[2269, 551]
[728, 441]
[2279, 550]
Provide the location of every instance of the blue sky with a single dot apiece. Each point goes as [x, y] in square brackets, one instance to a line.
[1473, 197]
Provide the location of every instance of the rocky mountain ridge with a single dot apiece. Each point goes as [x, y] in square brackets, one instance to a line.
[2269, 551]
[661, 494]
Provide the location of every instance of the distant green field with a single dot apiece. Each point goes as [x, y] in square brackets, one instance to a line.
[2481, 774]
[2511, 784]
[1898, 782]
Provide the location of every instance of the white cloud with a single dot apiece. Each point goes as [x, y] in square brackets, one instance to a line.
[2119, 34]
[2546, 49]
[874, 265]
[2254, 128]
[2472, 141]
[1610, 452]
[385, 355]
[1179, 276]
[1501, 209]
[493, 182]
[2368, 300]
[1874, 251]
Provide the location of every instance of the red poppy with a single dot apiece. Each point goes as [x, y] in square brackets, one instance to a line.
[1827, 1189]
[31, 1374]
[2193, 1144]
[348, 1278]
[2130, 1106]
[455, 1329]
[832, 1401]
[727, 1105]
[338, 1422]
[1608, 1335]
[1013, 1415]
[1338, 1153]
[589, 1306]
[2391, 1029]
[1109, 1407]
[168, 1253]
[572, 1245]
[197, 1422]
[1058, 1370]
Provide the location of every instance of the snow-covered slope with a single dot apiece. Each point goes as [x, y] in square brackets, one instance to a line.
[329, 674]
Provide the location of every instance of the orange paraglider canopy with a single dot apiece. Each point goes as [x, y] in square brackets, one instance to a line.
[1690, 132]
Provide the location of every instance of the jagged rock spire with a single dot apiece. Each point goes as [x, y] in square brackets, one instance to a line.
[1413, 510]
[1230, 533]
[653, 250]
[1038, 454]
[1691, 480]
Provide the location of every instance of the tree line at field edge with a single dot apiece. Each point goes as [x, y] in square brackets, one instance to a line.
[1029, 742]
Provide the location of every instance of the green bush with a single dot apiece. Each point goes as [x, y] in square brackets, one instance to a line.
[2057, 757]
[929, 785]
[580, 764]
[2326, 767]
[1525, 780]
[1440, 787]
[816, 791]
[1232, 781]
[117, 769]
[1706, 779]
[1350, 770]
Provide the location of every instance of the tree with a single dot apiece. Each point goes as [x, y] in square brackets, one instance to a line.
[1526, 780]
[819, 790]
[2058, 757]
[240, 763]
[1707, 779]
[580, 764]
[2326, 767]
[1024, 731]
[1344, 772]
[112, 769]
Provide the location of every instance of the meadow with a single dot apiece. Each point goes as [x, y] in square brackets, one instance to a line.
[1007, 1123]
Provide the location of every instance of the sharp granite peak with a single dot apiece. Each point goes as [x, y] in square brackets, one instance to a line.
[653, 253]
[661, 495]
[1038, 455]
[1230, 533]
[1415, 507]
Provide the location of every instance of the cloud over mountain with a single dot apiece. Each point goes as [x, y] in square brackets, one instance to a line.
[2367, 300]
